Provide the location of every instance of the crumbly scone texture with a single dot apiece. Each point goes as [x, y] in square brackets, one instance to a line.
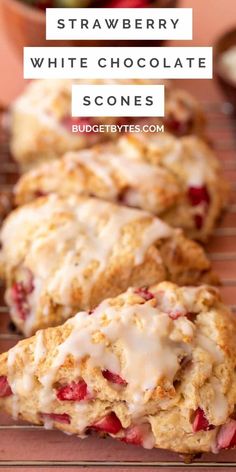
[60, 255]
[178, 179]
[153, 367]
[41, 120]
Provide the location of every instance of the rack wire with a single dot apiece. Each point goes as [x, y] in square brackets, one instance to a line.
[30, 447]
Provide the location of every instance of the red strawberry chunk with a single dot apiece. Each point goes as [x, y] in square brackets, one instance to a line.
[109, 424]
[59, 418]
[133, 435]
[144, 293]
[69, 121]
[139, 435]
[191, 316]
[5, 389]
[177, 126]
[200, 422]
[74, 392]
[227, 435]
[20, 300]
[114, 378]
[20, 291]
[128, 4]
[198, 195]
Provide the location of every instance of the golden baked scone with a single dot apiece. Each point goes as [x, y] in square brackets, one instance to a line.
[178, 179]
[62, 255]
[42, 125]
[151, 367]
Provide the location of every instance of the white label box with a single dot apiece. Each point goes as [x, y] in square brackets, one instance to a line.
[119, 23]
[118, 100]
[118, 63]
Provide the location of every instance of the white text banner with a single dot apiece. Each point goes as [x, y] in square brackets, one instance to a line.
[118, 23]
[118, 100]
[118, 63]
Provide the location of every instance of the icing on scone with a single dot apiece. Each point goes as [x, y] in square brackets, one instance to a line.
[63, 254]
[177, 179]
[129, 368]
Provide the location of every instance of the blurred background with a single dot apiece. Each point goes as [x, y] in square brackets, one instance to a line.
[211, 19]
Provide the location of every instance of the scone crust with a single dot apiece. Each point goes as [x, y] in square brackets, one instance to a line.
[60, 255]
[178, 179]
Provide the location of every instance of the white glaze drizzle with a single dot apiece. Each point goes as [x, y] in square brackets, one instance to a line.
[145, 336]
[151, 343]
[212, 348]
[219, 405]
[188, 158]
[67, 236]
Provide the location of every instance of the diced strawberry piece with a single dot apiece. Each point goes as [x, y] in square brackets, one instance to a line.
[114, 378]
[178, 127]
[73, 392]
[133, 436]
[19, 299]
[139, 435]
[200, 422]
[5, 389]
[20, 290]
[69, 121]
[109, 424]
[198, 195]
[191, 316]
[144, 293]
[128, 4]
[59, 418]
[227, 435]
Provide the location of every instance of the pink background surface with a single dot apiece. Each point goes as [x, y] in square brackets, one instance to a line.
[211, 18]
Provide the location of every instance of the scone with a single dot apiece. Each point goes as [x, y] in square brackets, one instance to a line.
[42, 125]
[178, 179]
[151, 367]
[62, 255]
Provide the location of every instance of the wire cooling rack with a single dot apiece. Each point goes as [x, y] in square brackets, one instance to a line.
[30, 447]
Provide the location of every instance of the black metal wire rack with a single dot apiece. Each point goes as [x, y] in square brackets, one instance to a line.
[29, 447]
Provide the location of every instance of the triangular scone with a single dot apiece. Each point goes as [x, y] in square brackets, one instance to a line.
[151, 367]
[62, 255]
[179, 180]
[41, 122]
